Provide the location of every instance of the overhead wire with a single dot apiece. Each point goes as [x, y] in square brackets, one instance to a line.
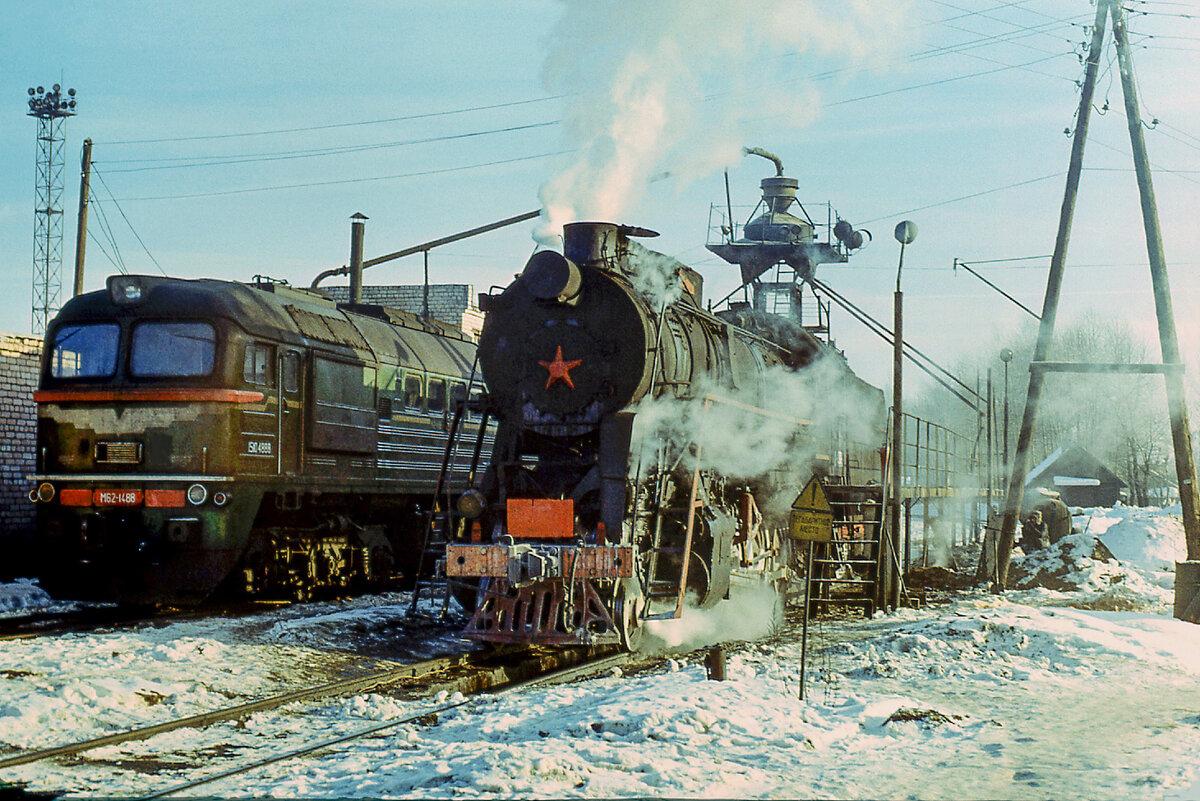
[339, 181]
[214, 161]
[127, 221]
[358, 123]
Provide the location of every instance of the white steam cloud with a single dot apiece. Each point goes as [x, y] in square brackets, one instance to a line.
[748, 614]
[741, 443]
[673, 85]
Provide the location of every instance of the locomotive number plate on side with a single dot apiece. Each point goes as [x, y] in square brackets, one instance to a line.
[113, 497]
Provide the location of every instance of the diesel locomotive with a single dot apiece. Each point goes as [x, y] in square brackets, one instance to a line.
[612, 497]
[204, 436]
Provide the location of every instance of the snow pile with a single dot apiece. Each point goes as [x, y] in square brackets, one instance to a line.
[1123, 559]
[23, 596]
[1016, 642]
[1149, 539]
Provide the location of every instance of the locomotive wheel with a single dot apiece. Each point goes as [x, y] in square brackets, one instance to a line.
[627, 614]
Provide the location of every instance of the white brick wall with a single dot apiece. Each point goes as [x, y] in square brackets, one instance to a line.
[451, 303]
[19, 356]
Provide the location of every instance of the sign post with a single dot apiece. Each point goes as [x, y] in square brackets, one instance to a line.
[811, 522]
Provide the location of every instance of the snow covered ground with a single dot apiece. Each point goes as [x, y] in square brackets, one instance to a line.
[1080, 685]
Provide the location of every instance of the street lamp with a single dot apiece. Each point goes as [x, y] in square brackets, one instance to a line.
[906, 232]
[1006, 357]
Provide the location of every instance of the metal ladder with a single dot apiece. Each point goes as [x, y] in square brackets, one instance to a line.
[846, 570]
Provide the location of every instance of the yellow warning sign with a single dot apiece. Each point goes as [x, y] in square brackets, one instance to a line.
[812, 517]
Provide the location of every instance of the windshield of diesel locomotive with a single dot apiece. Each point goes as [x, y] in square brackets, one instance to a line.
[85, 351]
[172, 349]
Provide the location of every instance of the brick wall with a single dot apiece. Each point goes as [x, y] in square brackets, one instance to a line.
[451, 303]
[19, 357]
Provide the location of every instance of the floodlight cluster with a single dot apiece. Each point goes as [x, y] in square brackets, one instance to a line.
[45, 104]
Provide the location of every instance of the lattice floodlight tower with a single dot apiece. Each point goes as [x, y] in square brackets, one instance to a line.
[776, 238]
[50, 109]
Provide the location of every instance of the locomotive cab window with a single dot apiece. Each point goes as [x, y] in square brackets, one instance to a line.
[85, 351]
[437, 395]
[257, 368]
[412, 392]
[291, 372]
[172, 349]
[458, 392]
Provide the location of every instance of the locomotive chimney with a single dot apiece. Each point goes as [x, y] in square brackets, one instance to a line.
[592, 243]
[357, 226]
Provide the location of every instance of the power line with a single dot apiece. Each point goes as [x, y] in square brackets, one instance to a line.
[220, 161]
[127, 222]
[944, 81]
[349, 180]
[964, 197]
[426, 115]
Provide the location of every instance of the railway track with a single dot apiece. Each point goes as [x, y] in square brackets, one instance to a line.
[468, 674]
[88, 617]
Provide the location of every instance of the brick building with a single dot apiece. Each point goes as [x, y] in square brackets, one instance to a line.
[19, 357]
[451, 303]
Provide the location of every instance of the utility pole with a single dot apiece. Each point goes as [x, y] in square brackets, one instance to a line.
[81, 225]
[1171, 367]
[1181, 438]
[905, 233]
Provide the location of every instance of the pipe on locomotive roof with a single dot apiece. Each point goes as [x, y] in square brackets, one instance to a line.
[357, 228]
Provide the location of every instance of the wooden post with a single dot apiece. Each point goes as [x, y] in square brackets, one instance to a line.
[1021, 460]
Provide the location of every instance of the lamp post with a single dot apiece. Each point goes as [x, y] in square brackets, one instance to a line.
[1006, 357]
[905, 233]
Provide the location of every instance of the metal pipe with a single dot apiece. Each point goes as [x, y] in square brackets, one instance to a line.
[445, 240]
[357, 227]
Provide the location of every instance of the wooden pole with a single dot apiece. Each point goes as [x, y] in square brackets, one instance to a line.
[1185, 467]
[81, 224]
[1021, 460]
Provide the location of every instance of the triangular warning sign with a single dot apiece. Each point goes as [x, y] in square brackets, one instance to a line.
[812, 497]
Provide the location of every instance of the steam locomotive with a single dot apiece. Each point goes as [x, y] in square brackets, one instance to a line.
[614, 495]
[197, 436]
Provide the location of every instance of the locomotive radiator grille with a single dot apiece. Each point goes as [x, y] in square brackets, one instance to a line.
[540, 613]
[118, 452]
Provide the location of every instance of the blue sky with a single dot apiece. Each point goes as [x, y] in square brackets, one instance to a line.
[453, 114]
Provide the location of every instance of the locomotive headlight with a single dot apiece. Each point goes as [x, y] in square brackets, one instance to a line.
[220, 498]
[197, 494]
[124, 290]
[552, 276]
[471, 504]
[45, 492]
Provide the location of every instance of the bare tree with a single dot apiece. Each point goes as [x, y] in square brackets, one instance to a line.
[1121, 419]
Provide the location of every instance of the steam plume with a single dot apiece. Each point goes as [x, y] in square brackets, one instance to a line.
[672, 84]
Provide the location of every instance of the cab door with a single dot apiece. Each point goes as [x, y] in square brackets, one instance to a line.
[291, 417]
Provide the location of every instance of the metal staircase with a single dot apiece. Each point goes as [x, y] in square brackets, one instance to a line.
[846, 571]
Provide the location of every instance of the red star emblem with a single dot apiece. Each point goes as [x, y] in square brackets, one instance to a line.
[559, 369]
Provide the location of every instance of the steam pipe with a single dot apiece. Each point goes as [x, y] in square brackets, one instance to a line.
[357, 227]
[758, 151]
[483, 229]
